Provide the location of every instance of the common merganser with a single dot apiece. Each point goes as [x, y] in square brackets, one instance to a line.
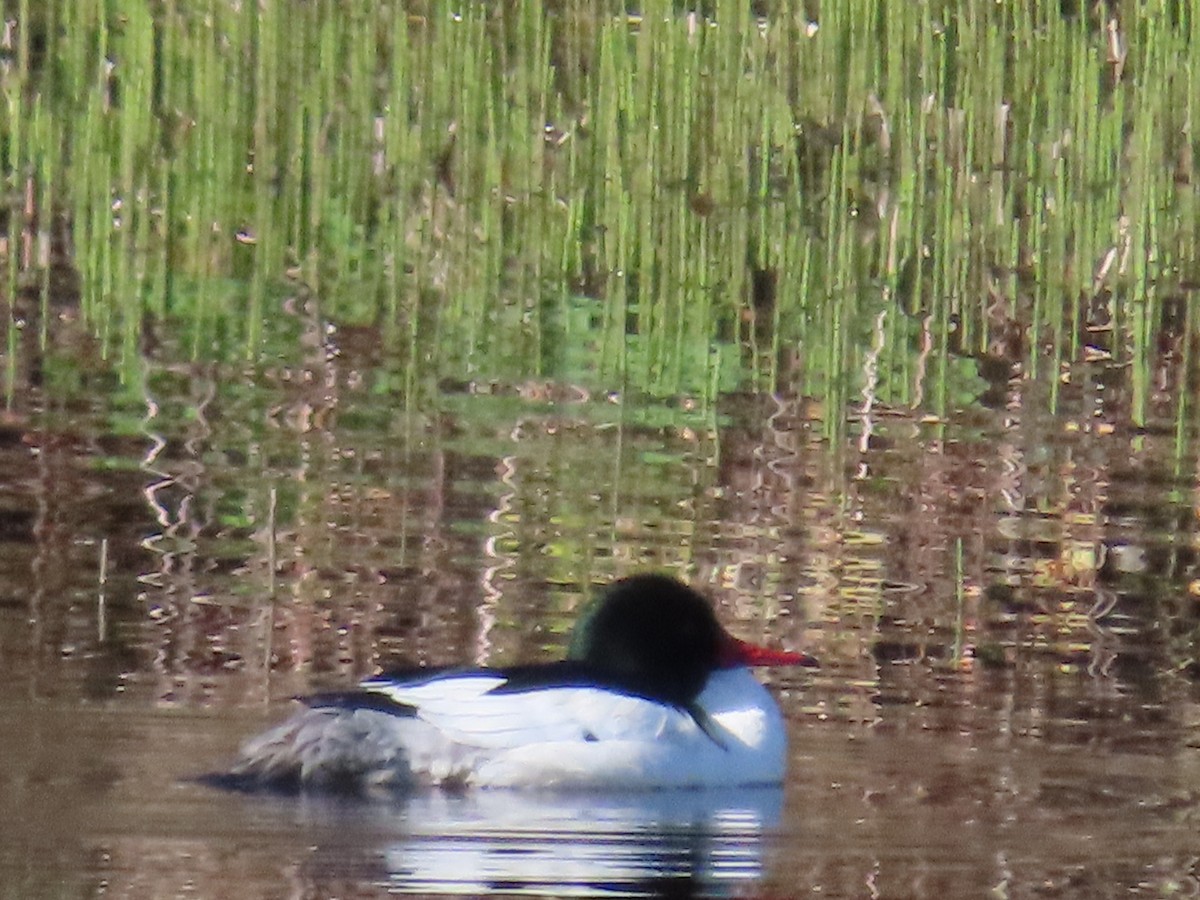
[654, 693]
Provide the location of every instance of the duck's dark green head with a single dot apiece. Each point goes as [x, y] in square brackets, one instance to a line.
[660, 637]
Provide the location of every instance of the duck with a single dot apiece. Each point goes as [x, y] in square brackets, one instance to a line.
[653, 693]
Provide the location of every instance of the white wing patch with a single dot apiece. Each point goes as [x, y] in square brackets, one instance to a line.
[465, 711]
[448, 688]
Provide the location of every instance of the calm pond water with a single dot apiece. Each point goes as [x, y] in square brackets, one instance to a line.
[1006, 707]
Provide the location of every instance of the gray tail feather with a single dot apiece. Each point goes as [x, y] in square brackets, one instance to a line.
[322, 747]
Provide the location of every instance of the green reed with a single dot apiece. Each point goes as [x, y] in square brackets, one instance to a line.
[661, 200]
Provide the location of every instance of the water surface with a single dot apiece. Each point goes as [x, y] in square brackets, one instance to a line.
[1000, 707]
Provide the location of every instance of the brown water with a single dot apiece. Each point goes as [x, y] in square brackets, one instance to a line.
[1004, 603]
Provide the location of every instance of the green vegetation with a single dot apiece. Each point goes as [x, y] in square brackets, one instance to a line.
[628, 196]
